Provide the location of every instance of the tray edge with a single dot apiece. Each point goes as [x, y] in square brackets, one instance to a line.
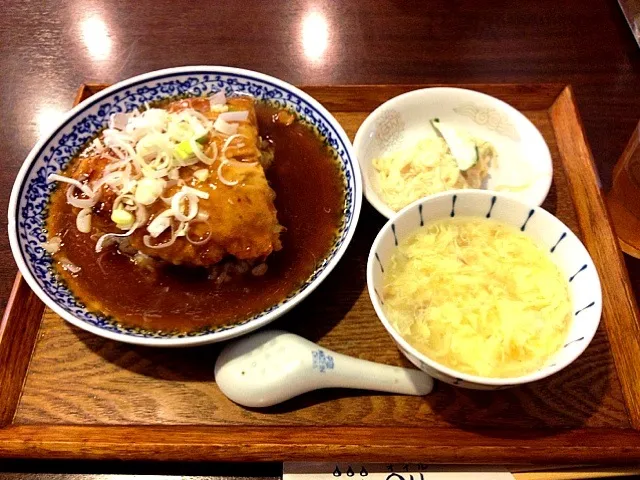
[387, 444]
[622, 317]
[15, 355]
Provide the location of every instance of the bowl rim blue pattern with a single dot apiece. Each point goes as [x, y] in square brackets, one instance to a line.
[74, 116]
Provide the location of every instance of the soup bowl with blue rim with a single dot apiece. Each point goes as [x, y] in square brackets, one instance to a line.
[563, 247]
[29, 201]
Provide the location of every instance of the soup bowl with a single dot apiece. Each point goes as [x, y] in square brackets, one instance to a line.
[30, 196]
[549, 233]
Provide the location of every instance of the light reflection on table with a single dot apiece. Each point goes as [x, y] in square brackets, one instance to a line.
[47, 118]
[315, 35]
[96, 37]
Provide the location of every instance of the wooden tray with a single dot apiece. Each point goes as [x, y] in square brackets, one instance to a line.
[65, 393]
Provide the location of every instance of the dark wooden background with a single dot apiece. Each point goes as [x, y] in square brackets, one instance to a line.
[48, 48]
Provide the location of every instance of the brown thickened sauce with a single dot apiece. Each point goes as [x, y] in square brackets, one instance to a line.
[310, 200]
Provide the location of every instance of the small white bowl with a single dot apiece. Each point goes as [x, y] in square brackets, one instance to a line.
[566, 251]
[404, 119]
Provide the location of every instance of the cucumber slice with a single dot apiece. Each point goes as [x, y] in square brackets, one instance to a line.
[463, 150]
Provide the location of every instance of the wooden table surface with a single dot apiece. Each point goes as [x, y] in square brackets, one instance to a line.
[48, 48]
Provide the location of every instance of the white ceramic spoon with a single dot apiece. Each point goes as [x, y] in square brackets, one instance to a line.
[272, 366]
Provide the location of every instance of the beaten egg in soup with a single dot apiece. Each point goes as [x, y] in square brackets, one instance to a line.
[478, 296]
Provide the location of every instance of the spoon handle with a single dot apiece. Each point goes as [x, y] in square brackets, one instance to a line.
[350, 372]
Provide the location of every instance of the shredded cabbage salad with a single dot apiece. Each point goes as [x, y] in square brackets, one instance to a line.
[424, 168]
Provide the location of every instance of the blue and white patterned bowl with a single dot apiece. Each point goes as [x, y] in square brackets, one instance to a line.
[29, 198]
[565, 249]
